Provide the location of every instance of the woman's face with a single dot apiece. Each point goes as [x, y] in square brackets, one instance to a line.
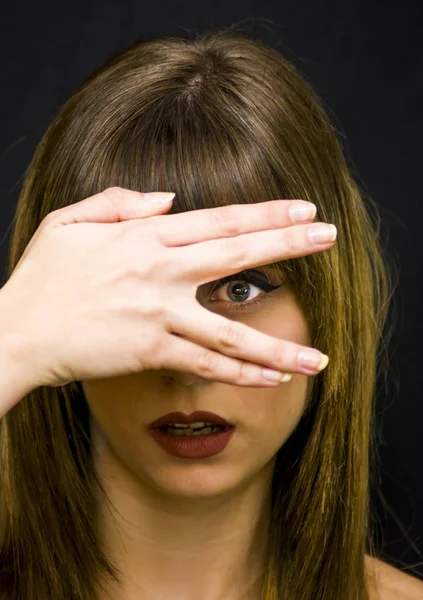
[122, 408]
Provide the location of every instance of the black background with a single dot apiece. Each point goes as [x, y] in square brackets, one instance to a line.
[364, 59]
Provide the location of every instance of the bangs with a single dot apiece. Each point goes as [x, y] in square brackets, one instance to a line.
[204, 152]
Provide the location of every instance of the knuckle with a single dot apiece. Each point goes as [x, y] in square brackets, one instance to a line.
[290, 240]
[228, 334]
[156, 346]
[154, 259]
[114, 195]
[149, 352]
[150, 307]
[152, 310]
[49, 219]
[233, 251]
[272, 213]
[279, 354]
[206, 361]
[242, 369]
[226, 220]
[165, 264]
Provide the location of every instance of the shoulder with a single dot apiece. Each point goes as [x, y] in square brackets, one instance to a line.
[389, 583]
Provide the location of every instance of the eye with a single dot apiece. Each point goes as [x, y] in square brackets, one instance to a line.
[239, 289]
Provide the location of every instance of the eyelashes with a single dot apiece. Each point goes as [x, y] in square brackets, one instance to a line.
[250, 276]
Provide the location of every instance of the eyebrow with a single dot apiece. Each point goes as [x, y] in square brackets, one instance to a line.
[269, 270]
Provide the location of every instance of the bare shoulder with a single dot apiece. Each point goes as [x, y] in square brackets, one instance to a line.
[390, 583]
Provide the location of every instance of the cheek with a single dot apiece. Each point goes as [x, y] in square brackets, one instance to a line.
[114, 406]
[272, 414]
[269, 416]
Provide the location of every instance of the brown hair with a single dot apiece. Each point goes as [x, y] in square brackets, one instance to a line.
[219, 119]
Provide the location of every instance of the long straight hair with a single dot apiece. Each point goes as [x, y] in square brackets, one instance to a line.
[219, 119]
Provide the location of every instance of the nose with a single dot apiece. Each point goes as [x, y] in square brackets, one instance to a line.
[184, 379]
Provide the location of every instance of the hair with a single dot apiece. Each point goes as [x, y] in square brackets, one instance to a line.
[219, 119]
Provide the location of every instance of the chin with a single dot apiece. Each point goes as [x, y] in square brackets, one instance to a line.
[194, 481]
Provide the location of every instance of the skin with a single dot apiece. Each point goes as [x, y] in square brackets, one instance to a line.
[390, 583]
[194, 528]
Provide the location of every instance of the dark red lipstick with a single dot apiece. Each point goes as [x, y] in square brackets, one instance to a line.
[210, 436]
[198, 415]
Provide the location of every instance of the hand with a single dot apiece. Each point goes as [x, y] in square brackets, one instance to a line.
[107, 287]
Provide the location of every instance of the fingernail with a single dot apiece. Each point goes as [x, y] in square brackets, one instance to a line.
[321, 233]
[302, 212]
[276, 376]
[313, 360]
[159, 196]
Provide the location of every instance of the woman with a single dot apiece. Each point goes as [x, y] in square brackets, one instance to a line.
[111, 304]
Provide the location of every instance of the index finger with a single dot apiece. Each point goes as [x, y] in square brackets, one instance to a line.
[226, 221]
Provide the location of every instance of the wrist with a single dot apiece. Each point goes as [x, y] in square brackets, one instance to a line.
[16, 378]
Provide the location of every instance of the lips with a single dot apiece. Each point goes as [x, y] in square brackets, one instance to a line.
[199, 415]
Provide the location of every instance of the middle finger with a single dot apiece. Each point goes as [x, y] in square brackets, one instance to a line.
[226, 221]
[214, 259]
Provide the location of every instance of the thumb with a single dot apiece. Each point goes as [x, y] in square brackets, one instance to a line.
[112, 205]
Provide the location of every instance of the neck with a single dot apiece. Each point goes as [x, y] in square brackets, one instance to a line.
[183, 548]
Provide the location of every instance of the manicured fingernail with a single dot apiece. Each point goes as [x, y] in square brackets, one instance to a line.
[286, 377]
[302, 212]
[322, 233]
[313, 360]
[276, 376]
[159, 196]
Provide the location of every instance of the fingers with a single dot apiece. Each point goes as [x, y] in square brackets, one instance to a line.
[214, 259]
[243, 342]
[112, 205]
[184, 355]
[226, 221]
